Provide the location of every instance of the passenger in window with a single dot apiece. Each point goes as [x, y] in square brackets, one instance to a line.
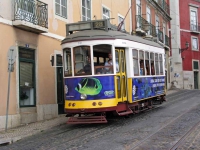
[110, 63]
[141, 67]
[147, 68]
[87, 68]
[152, 69]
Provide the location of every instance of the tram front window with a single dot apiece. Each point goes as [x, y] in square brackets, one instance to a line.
[103, 63]
[82, 61]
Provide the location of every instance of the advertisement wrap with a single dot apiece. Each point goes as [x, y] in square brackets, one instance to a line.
[91, 88]
[147, 87]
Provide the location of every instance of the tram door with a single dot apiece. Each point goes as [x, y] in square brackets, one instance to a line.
[120, 79]
[60, 89]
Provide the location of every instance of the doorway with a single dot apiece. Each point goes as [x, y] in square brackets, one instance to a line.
[196, 80]
[60, 88]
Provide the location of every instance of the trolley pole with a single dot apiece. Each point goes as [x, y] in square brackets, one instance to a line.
[11, 56]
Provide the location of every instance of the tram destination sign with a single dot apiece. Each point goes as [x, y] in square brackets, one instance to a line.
[88, 25]
[99, 24]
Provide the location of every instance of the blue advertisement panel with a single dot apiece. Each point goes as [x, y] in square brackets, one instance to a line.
[147, 87]
[92, 88]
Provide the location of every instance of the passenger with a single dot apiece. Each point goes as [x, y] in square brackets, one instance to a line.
[141, 67]
[152, 69]
[87, 68]
[110, 63]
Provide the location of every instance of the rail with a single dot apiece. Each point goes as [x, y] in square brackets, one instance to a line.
[35, 12]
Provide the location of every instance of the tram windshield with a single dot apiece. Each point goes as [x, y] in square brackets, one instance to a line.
[84, 64]
[103, 62]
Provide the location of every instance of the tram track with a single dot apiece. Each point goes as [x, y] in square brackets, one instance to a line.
[184, 137]
[170, 122]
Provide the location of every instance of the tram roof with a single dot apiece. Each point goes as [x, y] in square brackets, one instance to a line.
[87, 35]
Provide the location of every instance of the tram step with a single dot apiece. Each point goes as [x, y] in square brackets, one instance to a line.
[125, 113]
[87, 120]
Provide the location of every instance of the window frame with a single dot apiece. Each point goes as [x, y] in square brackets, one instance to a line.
[86, 12]
[106, 17]
[197, 39]
[60, 15]
[195, 28]
[123, 27]
[137, 60]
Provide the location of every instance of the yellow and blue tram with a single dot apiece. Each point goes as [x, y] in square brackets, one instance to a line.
[108, 71]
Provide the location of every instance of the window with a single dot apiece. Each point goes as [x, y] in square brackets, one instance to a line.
[120, 19]
[135, 62]
[68, 62]
[193, 19]
[195, 65]
[61, 8]
[148, 16]
[103, 56]
[106, 13]
[138, 13]
[26, 77]
[157, 24]
[86, 10]
[157, 64]
[161, 63]
[82, 61]
[147, 61]
[152, 64]
[142, 65]
[195, 45]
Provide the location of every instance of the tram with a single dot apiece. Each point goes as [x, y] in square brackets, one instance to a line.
[109, 72]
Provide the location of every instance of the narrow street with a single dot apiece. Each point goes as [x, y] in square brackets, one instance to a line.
[173, 125]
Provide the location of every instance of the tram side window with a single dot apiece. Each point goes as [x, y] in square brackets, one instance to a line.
[157, 64]
[68, 62]
[82, 61]
[142, 65]
[161, 64]
[152, 64]
[147, 61]
[135, 62]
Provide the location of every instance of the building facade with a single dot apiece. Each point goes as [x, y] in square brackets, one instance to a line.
[35, 30]
[185, 43]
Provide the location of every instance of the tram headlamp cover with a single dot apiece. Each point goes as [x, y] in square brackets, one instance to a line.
[83, 96]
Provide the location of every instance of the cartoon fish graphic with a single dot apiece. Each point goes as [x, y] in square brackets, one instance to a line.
[89, 86]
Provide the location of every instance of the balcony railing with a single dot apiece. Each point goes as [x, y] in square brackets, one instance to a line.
[194, 27]
[153, 30]
[164, 5]
[35, 12]
[140, 22]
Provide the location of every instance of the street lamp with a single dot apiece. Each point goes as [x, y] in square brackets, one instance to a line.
[186, 47]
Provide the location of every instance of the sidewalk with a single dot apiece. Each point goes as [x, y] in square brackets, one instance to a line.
[15, 134]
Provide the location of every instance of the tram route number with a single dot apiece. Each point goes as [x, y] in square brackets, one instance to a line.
[98, 24]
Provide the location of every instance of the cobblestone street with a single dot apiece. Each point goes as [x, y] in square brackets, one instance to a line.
[173, 125]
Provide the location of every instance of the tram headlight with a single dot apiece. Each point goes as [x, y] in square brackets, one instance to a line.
[100, 103]
[94, 103]
[83, 96]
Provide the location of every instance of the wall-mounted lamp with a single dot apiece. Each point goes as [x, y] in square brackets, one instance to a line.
[186, 47]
